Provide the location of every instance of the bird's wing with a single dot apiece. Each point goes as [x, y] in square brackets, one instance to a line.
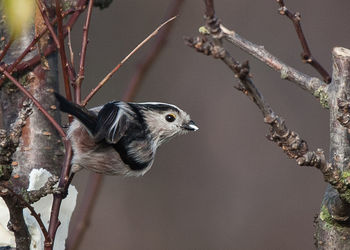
[112, 123]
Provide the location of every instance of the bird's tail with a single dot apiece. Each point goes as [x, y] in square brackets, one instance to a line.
[85, 116]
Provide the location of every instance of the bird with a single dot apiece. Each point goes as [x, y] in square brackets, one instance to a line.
[121, 138]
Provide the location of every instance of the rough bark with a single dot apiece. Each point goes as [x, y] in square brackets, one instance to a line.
[40, 145]
[332, 224]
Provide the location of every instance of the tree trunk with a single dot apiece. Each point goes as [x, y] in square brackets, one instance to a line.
[40, 145]
[332, 224]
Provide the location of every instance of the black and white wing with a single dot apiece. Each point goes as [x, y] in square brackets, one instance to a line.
[112, 122]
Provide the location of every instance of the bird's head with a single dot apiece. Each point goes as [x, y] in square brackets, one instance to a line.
[166, 121]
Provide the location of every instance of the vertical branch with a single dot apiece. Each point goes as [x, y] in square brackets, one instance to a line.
[209, 8]
[54, 222]
[62, 50]
[7, 47]
[85, 41]
[339, 135]
[95, 180]
[43, 10]
[90, 195]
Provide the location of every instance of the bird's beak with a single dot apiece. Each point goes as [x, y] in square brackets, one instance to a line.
[191, 126]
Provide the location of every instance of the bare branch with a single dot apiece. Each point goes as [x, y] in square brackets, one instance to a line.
[91, 193]
[7, 47]
[293, 146]
[158, 45]
[218, 32]
[209, 9]
[43, 10]
[71, 71]
[35, 101]
[77, 84]
[312, 84]
[6, 191]
[58, 197]
[110, 74]
[95, 180]
[65, 68]
[48, 188]
[71, 54]
[306, 55]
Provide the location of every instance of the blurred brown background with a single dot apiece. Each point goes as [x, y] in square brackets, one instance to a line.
[225, 186]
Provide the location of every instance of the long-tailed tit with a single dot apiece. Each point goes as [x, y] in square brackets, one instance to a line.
[121, 138]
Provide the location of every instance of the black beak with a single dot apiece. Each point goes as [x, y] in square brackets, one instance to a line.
[191, 126]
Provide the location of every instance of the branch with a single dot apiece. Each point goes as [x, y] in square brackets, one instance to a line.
[218, 31]
[312, 84]
[110, 74]
[293, 146]
[6, 191]
[62, 50]
[91, 193]
[48, 188]
[81, 74]
[35, 101]
[7, 47]
[71, 71]
[63, 185]
[154, 51]
[43, 10]
[95, 180]
[306, 54]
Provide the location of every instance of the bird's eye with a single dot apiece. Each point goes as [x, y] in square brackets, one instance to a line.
[170, 118]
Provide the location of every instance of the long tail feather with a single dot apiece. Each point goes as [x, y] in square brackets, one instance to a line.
[82, 114]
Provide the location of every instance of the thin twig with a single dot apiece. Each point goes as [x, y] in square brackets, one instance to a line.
[71, 71]
[306, 54]
[110, 74]
[91, 193]
[7, 47]
[35, 101]
[6, 189]
[154, 51]
[62, 50]
[71, 53]
[312, 84]
[63, 185]
[80, 8]
[95, 180]
[43, 10]
[85, 41]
